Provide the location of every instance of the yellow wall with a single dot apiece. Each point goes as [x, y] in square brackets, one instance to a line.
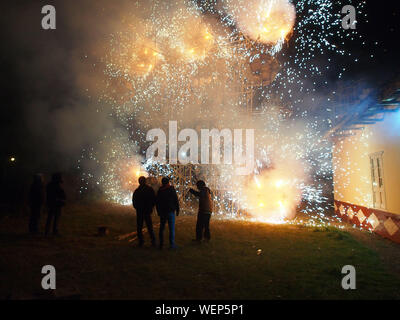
[352, 175]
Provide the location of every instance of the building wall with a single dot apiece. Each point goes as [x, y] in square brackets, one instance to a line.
[352, 172]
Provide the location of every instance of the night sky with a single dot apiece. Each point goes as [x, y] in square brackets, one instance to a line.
[380, 31]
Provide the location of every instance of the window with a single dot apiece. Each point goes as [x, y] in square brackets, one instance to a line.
[377, 179]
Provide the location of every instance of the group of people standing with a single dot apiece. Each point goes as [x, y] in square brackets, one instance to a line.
[54, 197]
[144, 200]
[166, 201]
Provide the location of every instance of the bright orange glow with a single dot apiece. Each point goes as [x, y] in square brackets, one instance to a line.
[196, 40]
[130, 176]
[273, 195]
[267, 21]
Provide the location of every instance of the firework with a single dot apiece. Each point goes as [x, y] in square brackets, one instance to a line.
[266, 21]
[177, 63]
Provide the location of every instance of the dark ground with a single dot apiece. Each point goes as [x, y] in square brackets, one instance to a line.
[295, 262]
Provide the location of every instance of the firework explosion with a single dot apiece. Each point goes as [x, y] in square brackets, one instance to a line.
[195, 64]
[265, 21]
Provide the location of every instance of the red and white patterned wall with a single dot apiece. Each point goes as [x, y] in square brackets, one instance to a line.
[383, 223]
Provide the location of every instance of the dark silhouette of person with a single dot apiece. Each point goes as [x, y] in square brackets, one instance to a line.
[36, 200]
[167, 204]
[55, 200]
[143, 200]
[205, 210]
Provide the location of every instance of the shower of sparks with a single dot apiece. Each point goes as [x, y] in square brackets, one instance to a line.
[195, 62]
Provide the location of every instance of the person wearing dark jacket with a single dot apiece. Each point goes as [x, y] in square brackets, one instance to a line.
[55, 201]
[143, 200]
[36, 200]
[205, 210]
[167, 204]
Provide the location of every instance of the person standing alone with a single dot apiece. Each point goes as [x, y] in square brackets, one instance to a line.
[205, 211]
[167, 204]
[143, 200]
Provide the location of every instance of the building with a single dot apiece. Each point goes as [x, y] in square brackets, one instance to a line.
[366, 163]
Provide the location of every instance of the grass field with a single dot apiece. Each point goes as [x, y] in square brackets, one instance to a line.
[295, 262]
